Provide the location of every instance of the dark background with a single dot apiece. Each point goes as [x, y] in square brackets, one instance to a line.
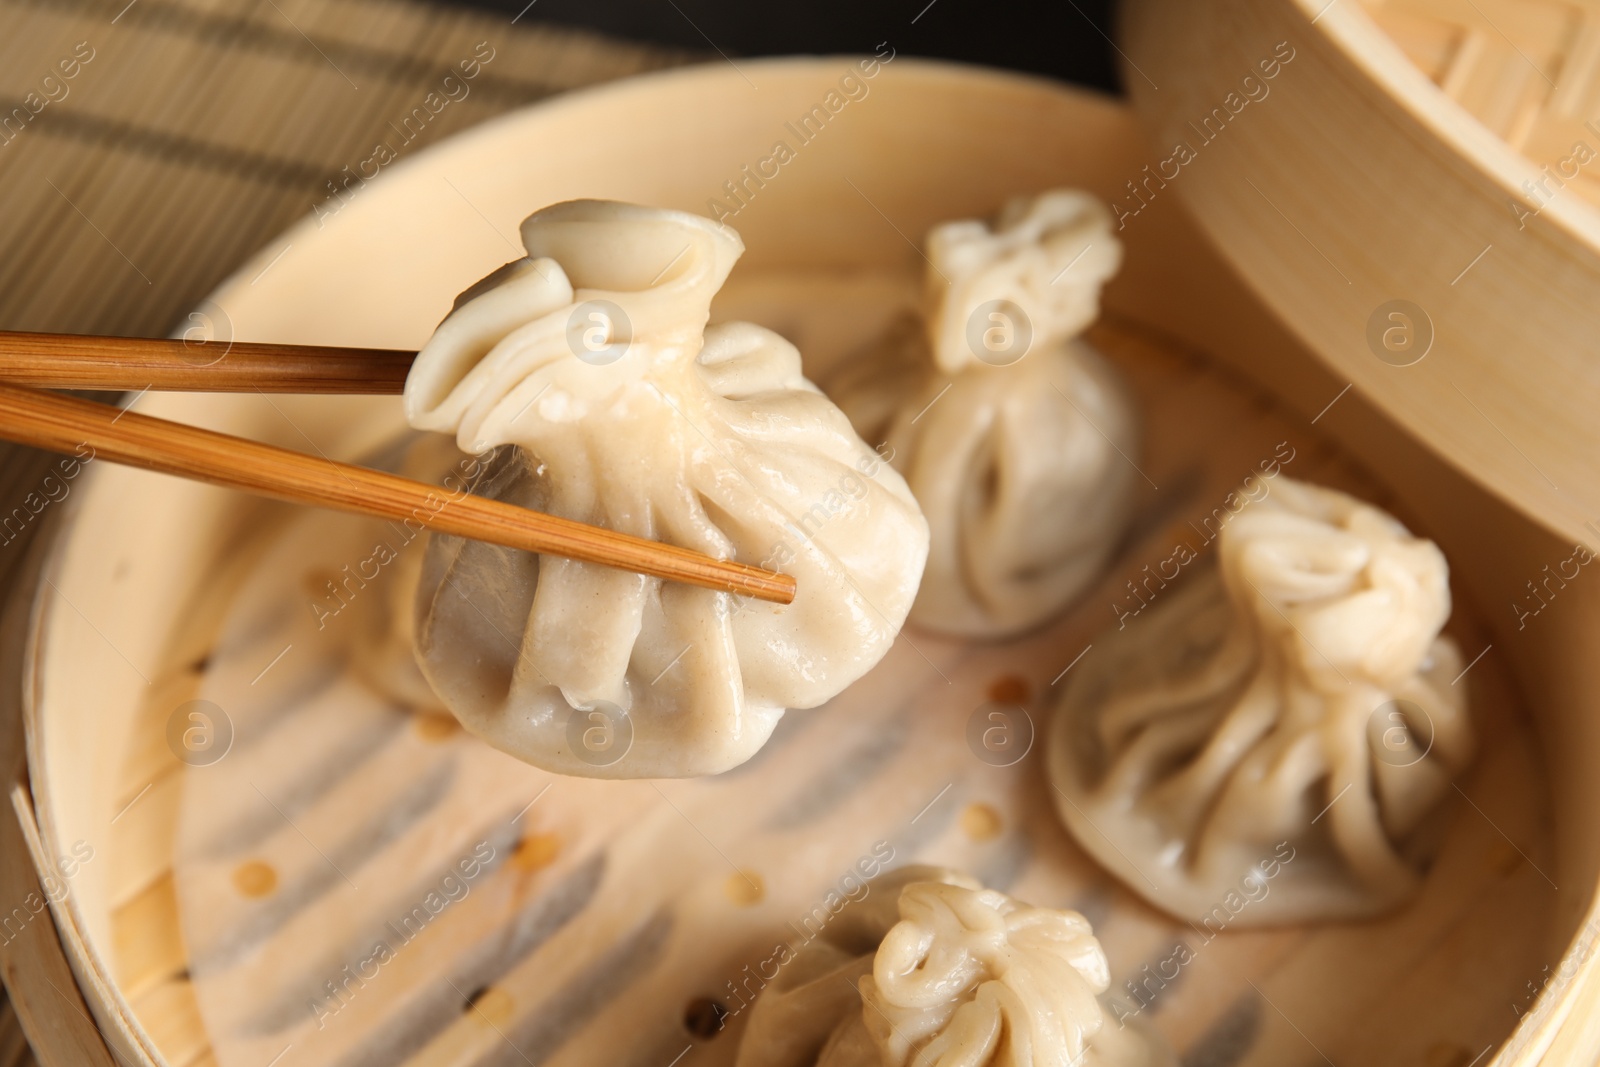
[1065, 39]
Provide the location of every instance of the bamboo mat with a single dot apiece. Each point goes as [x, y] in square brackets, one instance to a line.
[148, 148]
[199, 129]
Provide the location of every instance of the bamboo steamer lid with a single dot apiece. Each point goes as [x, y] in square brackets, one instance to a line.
[1413, 191]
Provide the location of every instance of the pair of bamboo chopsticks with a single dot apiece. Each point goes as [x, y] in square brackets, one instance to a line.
[30, 362]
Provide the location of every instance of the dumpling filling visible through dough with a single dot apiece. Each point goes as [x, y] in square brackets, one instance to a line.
[384, 646]
[1275, 742]
[592, 360]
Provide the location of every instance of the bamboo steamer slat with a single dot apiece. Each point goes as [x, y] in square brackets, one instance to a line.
[1356, 181]
[931, 143]
[1535, 83]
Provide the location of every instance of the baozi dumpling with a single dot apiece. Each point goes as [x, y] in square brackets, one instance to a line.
[1018, 440]
[590, 366]
[929, 968]
[1270, 744]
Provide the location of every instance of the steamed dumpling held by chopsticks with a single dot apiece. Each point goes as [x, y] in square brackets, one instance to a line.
[589, 366]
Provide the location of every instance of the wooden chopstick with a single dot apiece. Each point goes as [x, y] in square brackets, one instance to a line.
[64, 424]
[78, 361]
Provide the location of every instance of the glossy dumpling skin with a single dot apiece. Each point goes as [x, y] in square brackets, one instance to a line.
[1275, 743]
[930, 968]
[590, 366]
[1021, 454]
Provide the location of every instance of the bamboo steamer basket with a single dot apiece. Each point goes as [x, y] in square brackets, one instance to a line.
[125, 609]
[1358, 181]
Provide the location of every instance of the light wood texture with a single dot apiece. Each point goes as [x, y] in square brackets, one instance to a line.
[603, 864]
[133, 364]
[1424, 987]
[59, 1006]
[1356, 181]
[45, 1001]
[67, 425]
[1529, 70]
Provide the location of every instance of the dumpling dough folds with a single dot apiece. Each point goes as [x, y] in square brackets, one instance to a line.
[591, 358]
[930, 968]
[1021, 455]
[1273, 743]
